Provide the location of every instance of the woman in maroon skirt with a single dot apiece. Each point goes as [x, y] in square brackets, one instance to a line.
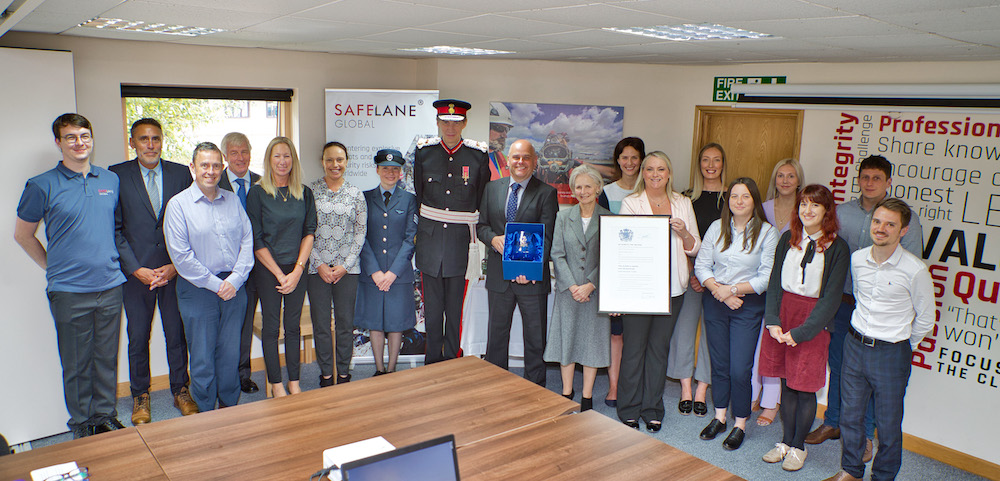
[810, 267]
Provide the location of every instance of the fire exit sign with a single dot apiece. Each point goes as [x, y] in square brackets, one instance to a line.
[724, 84]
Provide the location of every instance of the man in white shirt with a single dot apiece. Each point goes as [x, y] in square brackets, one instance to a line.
[894, 310]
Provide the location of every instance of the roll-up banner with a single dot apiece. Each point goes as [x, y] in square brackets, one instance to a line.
[947, 167]
[366, 121]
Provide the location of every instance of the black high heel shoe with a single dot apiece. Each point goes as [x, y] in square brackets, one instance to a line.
[572, 393]
[632, 423]
[586, 404]
[654, 426]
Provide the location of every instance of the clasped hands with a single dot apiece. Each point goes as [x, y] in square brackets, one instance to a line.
[782, 337]
[582, 293]
[154, 278]
[724, 294]
[383, 280]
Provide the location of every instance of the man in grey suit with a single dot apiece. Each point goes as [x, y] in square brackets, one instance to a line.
[236, 150]
[519, 198]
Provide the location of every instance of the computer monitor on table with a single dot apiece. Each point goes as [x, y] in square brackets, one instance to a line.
[433, 460]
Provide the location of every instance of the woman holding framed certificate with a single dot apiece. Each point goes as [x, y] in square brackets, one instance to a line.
[734, 265]
[645, 337]
[807, 283]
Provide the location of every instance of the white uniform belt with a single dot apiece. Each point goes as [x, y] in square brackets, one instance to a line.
[455, 217]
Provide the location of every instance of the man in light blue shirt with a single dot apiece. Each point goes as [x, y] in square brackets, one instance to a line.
[210, 241]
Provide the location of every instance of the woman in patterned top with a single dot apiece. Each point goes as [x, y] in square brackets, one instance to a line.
[334, 265]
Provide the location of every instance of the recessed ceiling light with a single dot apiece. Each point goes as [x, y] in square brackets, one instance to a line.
[692, 31]
[138, 26]
[444, 49]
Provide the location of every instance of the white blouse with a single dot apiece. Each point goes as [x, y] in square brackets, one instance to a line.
[680, 206]
[793, 279]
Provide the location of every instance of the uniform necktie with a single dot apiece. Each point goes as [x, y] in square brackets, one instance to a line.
[512, 202]
[242, 192]
[386, 194]
[154, 192]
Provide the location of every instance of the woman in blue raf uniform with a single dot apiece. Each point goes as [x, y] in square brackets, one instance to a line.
[385, 295]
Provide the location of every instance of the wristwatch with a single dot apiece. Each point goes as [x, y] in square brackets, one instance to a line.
[734, 290]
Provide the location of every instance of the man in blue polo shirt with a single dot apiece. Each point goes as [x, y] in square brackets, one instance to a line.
[77, 202]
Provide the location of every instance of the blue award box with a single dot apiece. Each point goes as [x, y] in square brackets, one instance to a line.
[523, 250]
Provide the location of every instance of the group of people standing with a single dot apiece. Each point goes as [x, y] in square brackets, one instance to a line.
[780, 284]
[204, 243]
[772, 281]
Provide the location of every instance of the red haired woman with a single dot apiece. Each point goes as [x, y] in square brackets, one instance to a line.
[810, 266]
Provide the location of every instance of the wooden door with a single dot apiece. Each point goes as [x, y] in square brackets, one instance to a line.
[754, 139]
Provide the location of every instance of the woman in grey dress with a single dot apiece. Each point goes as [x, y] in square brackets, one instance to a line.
[577, 335]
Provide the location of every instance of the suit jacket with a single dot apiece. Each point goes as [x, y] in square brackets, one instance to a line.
[224, 181]
[138, 230]
[389, 242]
[575, 253]
[455, 182]
[539, 204]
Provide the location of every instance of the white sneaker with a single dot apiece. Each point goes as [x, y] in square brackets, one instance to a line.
[794, 460]
[777, 454]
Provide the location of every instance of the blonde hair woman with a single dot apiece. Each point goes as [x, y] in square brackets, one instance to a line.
[282, 212]
[646, 338]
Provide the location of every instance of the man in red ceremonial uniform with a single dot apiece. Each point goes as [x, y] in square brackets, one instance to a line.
[450, 174]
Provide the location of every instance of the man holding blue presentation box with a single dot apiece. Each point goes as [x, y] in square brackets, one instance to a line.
[520, 198]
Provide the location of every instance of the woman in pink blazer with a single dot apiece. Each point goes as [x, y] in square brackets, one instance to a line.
[646, 338]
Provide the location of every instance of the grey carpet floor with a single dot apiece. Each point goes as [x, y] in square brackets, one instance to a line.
[678, 431]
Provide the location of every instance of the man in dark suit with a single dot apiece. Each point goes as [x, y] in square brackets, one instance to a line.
[146, 184]
[236, 150]
[519, 198]
[450, 174]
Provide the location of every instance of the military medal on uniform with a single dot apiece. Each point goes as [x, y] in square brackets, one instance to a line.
[465, 174]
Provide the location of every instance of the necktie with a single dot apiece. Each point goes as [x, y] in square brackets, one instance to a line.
[386, 194]
[808, 257]
[242, 192]
[512, 202]
[154, 192]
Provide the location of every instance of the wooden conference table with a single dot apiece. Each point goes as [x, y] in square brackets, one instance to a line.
[505, 428]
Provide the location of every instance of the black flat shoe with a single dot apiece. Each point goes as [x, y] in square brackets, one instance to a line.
[685, 407]
[325, 381]
[654, 426]
[632, 423]
[612, 403]
[700, 409]
[586, 404]
[341, 379]
[712, 430]
[734, 440]
[380, 373]
[571, 395]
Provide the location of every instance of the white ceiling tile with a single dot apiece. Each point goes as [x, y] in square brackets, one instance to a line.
[300, 30]
[722, 11]
[499, 26]
[885, 42]
[593, 38]
[148, 11]
[985, 37]
[515, 45]
[385, 12]
[822, 27]
[494, 6]
[952, 20]
[870, 7]
[412, 37]
[283, 7]
[596, 16]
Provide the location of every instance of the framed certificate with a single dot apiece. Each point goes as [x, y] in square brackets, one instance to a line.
[635, 264]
